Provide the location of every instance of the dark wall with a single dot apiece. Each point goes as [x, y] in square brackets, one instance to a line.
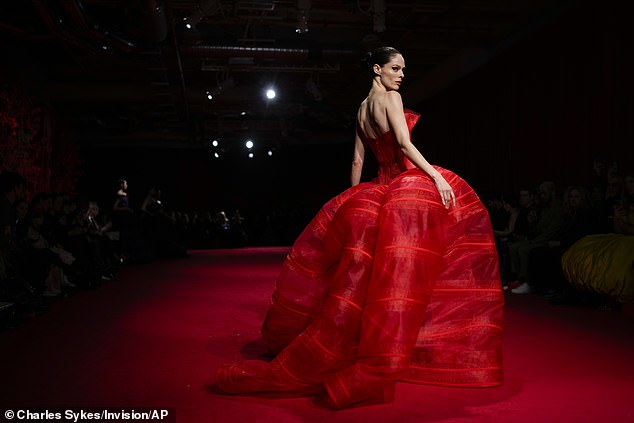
[192, 179]
[542, 110]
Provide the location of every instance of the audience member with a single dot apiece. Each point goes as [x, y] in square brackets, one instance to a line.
[504, 238]
[549, 222]
[608, 201]
[238, 236]
[12, 189]
[12, 193]
[123, 219]
[497, 212]
[43, 259]
[527, 217]
[624, 210]
[579, 219]
[602, 263]
[158, 229]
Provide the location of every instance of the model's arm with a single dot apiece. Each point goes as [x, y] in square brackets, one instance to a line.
[396, 120]
[357, 160]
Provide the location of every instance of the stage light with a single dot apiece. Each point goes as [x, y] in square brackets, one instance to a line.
[214, 143]
[250, 155]
[303, 6]
[216, 155]
[270, 153]
[249, 144]
[270, 93]
[302, 24]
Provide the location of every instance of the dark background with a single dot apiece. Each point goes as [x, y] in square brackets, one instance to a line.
[540, 108]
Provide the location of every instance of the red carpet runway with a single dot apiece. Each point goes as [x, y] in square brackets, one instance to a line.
[152, 338]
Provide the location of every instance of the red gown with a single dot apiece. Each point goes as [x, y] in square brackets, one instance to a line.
[384, 285]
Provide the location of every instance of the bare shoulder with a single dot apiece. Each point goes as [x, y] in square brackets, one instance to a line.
[393, 95]
[393, 100]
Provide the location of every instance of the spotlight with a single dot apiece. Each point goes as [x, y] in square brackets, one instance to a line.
[250, 155]
[216, 155]
[270, 93]
[270, 153]
[249, 145]
[214, 143]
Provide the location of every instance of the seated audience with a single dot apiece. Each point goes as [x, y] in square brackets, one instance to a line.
[549, 222]
[504, 238]
[603, 263]
[579, 219]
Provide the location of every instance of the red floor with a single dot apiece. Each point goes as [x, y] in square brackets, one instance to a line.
[153, 337]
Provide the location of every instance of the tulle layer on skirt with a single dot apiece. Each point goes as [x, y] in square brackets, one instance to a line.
[383, 285]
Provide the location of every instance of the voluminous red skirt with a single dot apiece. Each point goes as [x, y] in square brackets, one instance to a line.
[384, 284]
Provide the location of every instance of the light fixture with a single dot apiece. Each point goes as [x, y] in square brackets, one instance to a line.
[270, 93]
[250, 155]
[302, 23]
[205, 8]
[249, 144]
[214, 143]
[270, 153]
[216, 155]
[303, 6]
[222, 85]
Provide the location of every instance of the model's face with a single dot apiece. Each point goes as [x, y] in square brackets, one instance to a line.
[391, 73]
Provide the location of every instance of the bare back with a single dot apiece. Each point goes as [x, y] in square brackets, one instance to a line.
[372, 116]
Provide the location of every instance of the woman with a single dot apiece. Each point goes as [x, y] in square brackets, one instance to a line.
[544, 268]
[504, 238]
[603, 263]
[123, 218]
[394, 279]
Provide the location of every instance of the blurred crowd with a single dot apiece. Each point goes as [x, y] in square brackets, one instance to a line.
[536, 226]
[55, 244]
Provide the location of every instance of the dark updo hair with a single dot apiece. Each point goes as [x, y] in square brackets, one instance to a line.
[379, 56]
